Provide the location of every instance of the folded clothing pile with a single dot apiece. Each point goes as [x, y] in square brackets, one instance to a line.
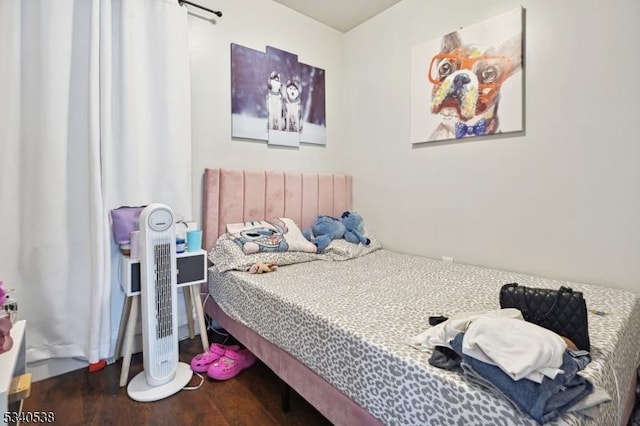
[530, 366]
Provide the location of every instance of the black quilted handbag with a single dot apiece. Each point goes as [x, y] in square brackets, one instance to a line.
[563, 311]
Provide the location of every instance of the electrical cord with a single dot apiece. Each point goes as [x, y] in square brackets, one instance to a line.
[210, 321]
[198, 386]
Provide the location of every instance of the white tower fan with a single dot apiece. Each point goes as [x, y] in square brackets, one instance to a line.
[163, 374]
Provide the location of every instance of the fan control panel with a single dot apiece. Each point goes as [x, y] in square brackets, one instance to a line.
[160, 219]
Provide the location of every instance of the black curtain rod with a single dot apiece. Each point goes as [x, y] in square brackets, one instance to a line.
[215, 12]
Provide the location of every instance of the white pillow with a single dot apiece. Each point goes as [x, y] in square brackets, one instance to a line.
[344, 250]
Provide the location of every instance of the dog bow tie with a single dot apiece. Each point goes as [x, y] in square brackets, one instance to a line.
[478, 129]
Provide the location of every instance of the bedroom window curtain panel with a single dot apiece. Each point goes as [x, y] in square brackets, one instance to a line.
[94, 114]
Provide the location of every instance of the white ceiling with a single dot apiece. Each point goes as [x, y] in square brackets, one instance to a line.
[342, 15]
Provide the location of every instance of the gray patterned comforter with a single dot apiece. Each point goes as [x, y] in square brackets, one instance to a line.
[349, 321]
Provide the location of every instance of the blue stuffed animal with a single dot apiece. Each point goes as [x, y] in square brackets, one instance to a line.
[354, 228]
[323, 230]
[326, 228]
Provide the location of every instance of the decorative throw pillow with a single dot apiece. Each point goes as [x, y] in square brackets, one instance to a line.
[275, 235]
[227, 255]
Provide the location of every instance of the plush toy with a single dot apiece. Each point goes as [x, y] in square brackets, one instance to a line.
[354, 228]
[323, 230]
[261, 268]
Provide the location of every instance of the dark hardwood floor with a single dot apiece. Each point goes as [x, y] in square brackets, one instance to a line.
[254, 397]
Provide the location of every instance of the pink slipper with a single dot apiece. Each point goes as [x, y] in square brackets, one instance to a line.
[201, 362]
[230, 364]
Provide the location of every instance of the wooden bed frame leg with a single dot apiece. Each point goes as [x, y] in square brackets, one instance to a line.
[286, 393]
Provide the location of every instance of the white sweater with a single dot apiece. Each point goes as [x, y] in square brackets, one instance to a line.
[443, 333]
[519, 348]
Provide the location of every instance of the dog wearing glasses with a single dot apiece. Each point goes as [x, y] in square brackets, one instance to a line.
[466, 82]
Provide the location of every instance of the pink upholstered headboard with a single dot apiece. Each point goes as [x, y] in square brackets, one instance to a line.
[234, 195]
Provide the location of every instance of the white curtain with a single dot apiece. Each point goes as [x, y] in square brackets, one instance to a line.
[94, 113]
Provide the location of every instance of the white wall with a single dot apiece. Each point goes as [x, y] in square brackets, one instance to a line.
[561, 199]
[256, 24]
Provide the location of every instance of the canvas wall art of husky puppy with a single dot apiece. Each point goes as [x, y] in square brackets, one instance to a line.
[292, 107]
[275, 105]
[467, 79]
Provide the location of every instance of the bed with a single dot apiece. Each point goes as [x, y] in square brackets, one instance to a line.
[336, 331]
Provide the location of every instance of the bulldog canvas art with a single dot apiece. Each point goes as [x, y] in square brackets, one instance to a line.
[468, 83]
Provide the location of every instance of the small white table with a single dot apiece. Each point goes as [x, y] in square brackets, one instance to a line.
[192, 272]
